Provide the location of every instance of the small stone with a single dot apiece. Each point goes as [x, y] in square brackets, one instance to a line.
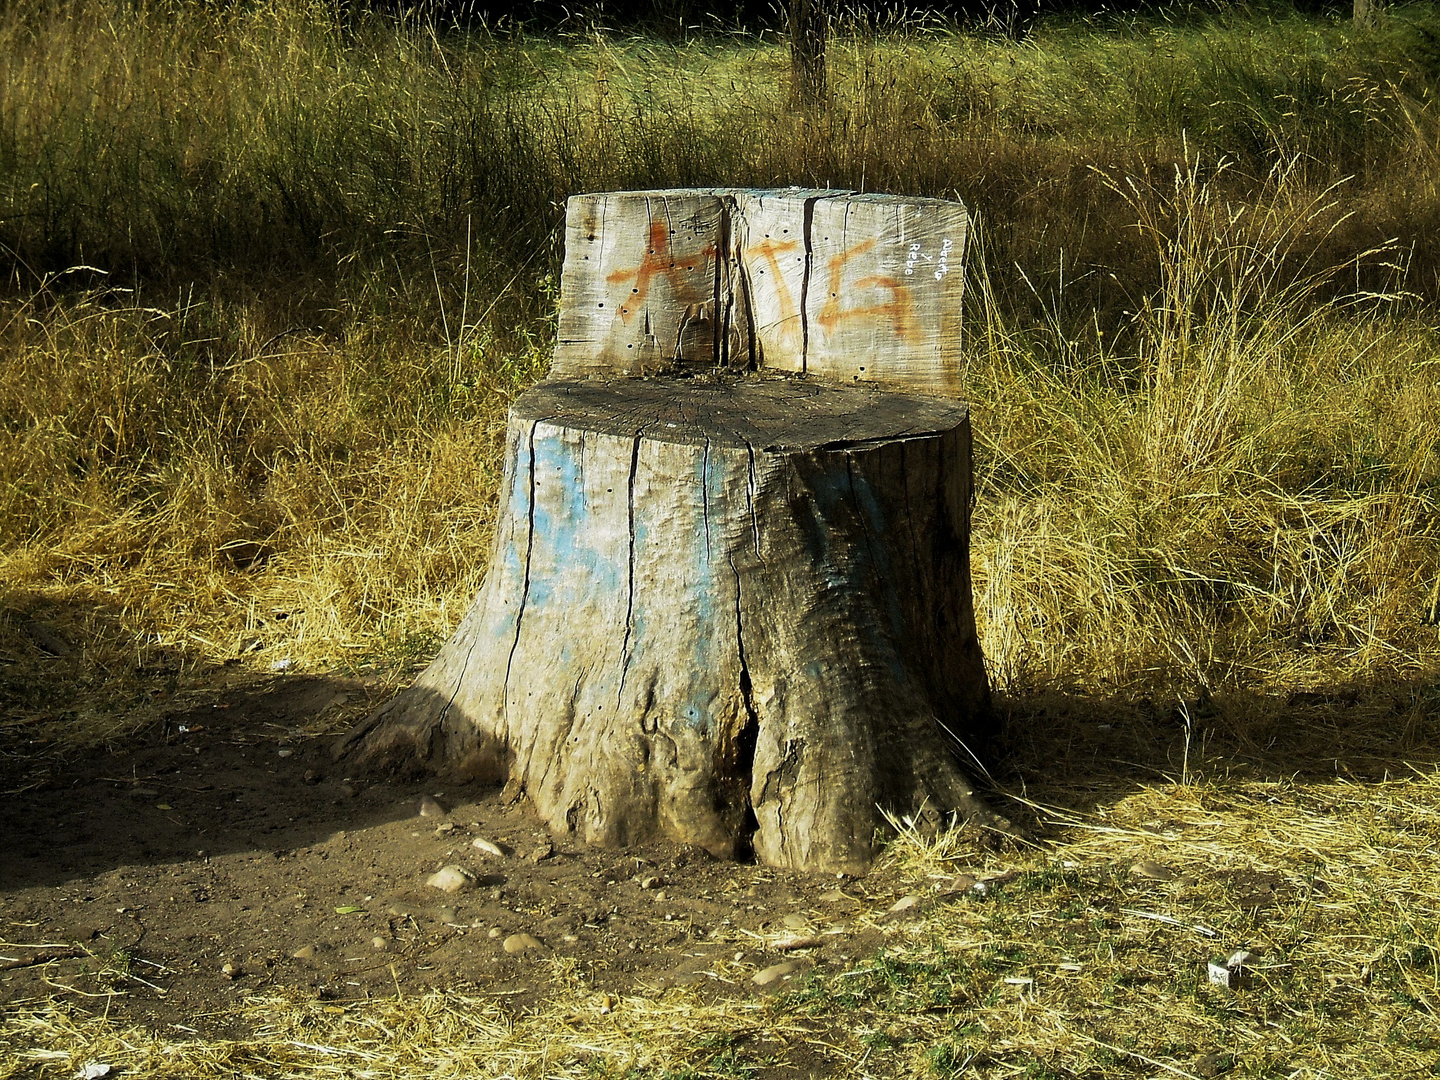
[311, 777]
[494, 933]
[445, 828]
[796, 921]
[775, 973]
[305, 952]
[231, 970]
[487, 847]
[1230, 972]
[443, 914]
[431, 808]
[1153, 870]
[661, 896]
[285, 751]
[904, 905]
[542, 852]
[451, 879]
[570, 939]
[651, 882]
[797, 941]
[519, 943]
[378, 942]
[512, 791]
[349, 790]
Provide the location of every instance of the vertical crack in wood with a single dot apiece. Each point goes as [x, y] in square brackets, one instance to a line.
[705, 497]
[750, 483]
[805, 284]
[754, 350]
[630, 577]
[748, 737]
[670, 249]
[524, 593]
[723, 301]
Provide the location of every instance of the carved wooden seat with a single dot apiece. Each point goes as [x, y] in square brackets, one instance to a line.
[729, 596]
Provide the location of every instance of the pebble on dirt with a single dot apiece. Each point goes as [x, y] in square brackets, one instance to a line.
[486, 847]
[905, 905]
[775, 973]
[1153, 870]
[430, 807]
[519, 943]
[451, 879]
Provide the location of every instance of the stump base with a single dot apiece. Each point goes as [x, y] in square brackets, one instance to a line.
[732, 611]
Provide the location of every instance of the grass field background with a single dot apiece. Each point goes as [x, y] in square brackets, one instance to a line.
[271, 279]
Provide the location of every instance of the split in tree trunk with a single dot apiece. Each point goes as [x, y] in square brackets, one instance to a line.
[733, 611]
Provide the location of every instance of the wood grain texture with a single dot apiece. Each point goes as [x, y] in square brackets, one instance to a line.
[885, 288]
[733, 611]
[846, 287]
[771, 234]
[645, 281]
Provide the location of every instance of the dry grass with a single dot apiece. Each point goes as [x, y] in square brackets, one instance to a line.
[1068, 963]
[181, 489]
[1236, 489]
[1207, 547]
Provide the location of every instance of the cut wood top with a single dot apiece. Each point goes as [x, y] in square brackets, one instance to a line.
[848, 287]
[772, 414]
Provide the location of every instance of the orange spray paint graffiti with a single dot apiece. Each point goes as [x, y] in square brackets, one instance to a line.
[658, 260]
[769, 250]
[898, 309]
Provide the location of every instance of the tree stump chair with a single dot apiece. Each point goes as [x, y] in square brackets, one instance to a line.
[729, 601]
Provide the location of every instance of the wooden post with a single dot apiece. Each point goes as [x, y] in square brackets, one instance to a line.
[730, 603]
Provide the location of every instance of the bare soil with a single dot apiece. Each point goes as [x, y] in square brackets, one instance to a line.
[225, 853]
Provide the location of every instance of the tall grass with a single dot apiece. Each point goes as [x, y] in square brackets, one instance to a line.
[1239, 491]
[273, 277]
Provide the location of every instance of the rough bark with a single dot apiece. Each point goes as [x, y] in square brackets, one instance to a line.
[809, 28]
[733, 611]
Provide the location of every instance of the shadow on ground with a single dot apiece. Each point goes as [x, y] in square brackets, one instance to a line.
[210, 848]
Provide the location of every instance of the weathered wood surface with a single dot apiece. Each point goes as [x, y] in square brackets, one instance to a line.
[732, 611]
[646, 282]
[846, 287]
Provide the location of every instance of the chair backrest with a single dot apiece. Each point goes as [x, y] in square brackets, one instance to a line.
[833, 284]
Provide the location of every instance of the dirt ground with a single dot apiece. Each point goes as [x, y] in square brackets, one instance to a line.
[225, 853]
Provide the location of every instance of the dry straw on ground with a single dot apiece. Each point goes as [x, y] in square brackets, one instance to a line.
[1207, 536]
[1085, 956]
